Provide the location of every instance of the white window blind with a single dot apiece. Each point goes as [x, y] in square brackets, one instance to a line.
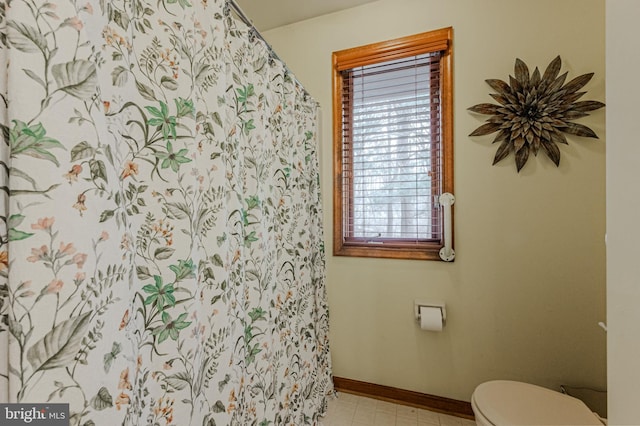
[391, 150]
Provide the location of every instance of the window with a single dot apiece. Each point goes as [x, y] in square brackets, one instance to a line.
[393, 146]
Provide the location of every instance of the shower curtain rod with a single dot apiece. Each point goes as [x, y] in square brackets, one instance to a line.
[244, 18]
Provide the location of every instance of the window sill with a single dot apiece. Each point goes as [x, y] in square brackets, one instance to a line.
[392, 251]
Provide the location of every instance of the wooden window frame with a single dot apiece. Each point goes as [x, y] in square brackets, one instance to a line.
[438, 40]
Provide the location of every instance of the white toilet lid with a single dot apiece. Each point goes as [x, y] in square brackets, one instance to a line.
[504, 402]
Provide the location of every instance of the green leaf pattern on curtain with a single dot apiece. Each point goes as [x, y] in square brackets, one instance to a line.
[161, 246]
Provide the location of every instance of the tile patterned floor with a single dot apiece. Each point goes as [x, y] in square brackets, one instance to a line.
[353, 410]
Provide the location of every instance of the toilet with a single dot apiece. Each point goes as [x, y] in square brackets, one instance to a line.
[505, 402]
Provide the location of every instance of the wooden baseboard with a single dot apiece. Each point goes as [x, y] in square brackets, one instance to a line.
[405, 397]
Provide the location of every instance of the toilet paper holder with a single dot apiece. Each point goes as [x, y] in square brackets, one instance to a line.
[417, 304]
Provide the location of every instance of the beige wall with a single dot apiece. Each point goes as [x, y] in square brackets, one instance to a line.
[623, 211]
[527, 288]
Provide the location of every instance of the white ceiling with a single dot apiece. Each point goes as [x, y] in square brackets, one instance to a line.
[268, 14]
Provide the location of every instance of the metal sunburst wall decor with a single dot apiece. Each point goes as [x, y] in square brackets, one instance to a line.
[535, 111]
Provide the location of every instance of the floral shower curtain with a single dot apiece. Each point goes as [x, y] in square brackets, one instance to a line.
[161, 253]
